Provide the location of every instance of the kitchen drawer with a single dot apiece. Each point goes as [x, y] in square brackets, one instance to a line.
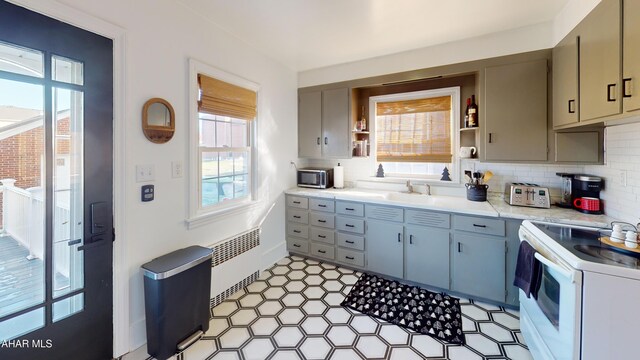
[353, 258]
[428, 218]
[344, 223]
[349, 208]
[298, 245]
[323, 220]
[480, 225]
[322, 205]
[325, 236]
[298, 230]
[351, 241]
[323, 251]
[298, 216]
[384, 213]
[297, 202]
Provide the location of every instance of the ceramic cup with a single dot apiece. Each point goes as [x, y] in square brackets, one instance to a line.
[631, 240]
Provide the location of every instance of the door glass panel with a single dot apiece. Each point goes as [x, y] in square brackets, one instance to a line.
[67, 70]
[67, 307]
[19, 60]
[67, 191]
[21, 196]
[21, 324]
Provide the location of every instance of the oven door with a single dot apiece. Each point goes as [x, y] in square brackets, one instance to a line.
[551, 323]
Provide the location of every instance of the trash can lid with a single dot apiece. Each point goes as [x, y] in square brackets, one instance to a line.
[176, 262]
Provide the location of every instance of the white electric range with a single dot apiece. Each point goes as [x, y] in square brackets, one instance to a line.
[588, 305]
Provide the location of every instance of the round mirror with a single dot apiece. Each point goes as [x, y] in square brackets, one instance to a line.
[158, 120]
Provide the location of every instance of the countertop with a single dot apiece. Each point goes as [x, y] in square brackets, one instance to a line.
[494, 207]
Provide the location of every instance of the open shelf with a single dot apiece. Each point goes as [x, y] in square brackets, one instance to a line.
[469, 129]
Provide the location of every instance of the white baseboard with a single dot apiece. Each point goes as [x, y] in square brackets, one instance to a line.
[273, 255]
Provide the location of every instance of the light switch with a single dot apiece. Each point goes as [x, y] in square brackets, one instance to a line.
[145, 173]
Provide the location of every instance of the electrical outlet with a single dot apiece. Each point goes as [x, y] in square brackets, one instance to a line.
[145, 173]
[176, 169]
[623, 178]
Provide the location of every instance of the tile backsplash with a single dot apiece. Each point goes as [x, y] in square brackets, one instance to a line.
[622, 157]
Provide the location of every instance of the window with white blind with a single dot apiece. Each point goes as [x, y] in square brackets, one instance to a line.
[416, 133]
[223, 131]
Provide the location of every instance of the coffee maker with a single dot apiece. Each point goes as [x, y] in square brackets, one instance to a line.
[581, 192]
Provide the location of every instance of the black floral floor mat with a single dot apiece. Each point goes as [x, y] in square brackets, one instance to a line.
[435, 314]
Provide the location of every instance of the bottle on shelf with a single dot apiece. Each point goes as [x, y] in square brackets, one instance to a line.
[363, 127]
[473, 112]
[466, 113]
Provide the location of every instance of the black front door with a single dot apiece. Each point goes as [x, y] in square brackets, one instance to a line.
[56, 232]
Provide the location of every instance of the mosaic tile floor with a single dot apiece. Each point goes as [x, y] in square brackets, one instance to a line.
[293, 312]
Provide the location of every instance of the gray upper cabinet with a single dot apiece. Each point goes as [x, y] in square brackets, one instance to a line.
[385, 248]
[515, 120]
[310, 125]
[565, 81]
[600, 51]
[478, 265]
[631, 55]
[427, 255]
[323, 124]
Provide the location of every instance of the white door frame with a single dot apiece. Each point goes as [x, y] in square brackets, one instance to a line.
[93, 24]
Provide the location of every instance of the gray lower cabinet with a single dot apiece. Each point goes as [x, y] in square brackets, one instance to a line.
[478, 265]
[385, 248]
[427, 255]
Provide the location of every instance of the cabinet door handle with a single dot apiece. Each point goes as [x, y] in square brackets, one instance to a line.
[322, 236]
[322, 205]
[609, 98]
[459, 247]
[296, 245]
[626, 84]
[349, 257]
[490, 138]
[322, 221]
[349, 225]
[399, 235]
[326, 140]
[350, 209]
[480, 226]
[318, 141]
[410, 239]
[349, 242]
[322, 251]
[572, 106]
[297, 231]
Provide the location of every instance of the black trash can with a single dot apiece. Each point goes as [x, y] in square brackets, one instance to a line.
[177, 289]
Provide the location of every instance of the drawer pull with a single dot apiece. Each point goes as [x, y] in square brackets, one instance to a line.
[350, 257]
[322, 236]
[297, 231]
[349, 225]
[296, 245]
[350, 209]
[480, 226]
[296, 202]
[322, 221]
[296, 216]
[322, 205]
[349, 242]
[322, 251]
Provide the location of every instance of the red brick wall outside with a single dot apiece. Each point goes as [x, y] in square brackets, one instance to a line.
[21, 156]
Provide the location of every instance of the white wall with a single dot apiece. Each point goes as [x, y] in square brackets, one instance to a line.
[160, 36]
[623, 157]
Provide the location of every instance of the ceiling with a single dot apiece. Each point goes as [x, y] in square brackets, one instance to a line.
[308, 34]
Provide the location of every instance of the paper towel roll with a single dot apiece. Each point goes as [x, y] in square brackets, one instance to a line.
[338, 177]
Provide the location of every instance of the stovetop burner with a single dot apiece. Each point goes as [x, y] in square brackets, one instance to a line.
[585, 244]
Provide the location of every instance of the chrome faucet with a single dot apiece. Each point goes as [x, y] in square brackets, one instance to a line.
[427, 189]
[409, 187]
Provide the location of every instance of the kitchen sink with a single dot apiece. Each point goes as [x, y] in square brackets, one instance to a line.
[412, 198]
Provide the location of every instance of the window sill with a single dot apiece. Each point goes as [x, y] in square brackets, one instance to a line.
[415, 180]
[221, 214]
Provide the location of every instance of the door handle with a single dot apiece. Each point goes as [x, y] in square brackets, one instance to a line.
[609, 98]
[572, 106]
[326, 140]
[626, 84]
[399, 235]
[410, 239]
[318, 141]
[459, 247]
[490, 138]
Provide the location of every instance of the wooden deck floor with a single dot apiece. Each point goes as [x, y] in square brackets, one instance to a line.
[21, 280]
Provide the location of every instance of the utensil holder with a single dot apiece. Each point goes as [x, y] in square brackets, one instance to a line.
[477, 192]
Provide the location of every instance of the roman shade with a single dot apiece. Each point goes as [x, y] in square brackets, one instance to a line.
[414, 130]
[221, 98]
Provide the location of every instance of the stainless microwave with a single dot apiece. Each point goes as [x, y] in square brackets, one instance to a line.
[319, 178]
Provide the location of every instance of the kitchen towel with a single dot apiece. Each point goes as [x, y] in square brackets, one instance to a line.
[528, 270]
[435, 314]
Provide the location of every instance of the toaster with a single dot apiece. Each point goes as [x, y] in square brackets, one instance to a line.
[524, 194]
